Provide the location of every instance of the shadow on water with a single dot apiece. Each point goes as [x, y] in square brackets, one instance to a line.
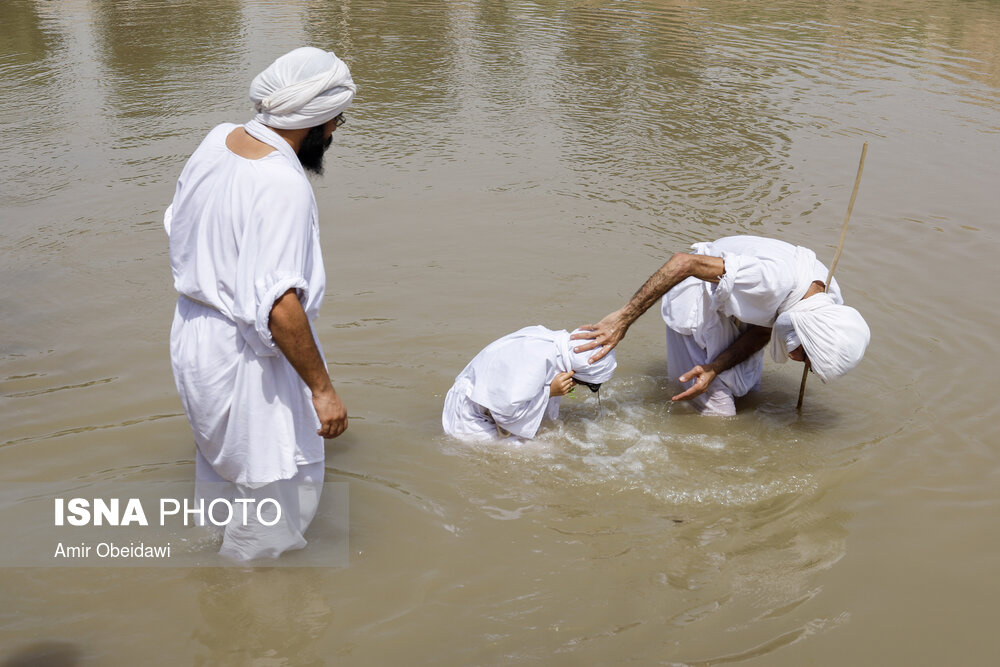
[44, 654]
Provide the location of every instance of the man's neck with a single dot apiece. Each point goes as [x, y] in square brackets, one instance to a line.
[293, 137]
[817, 287]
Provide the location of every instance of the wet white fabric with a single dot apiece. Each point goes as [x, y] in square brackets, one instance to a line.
[763, 277]
[834, 336]
[245, 537]
[507, 383]
[464, 418]
[598, 372]
[683, 354]
[242, 233]
[302, 89]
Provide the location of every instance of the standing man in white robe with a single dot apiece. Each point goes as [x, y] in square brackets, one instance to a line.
[246, 261]
[724, 302]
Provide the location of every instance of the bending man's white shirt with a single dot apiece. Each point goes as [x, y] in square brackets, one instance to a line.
[763, 279]
[507, 384]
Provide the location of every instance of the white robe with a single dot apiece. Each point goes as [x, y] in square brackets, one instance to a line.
[763, 278]
[507, 383]
[242, 233]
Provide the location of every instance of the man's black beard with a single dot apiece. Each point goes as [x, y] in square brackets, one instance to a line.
[312, 150]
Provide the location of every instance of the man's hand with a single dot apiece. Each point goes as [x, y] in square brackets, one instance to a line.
[705, 375]
[745, 346]
[561, 384]
[607, 333]
[293, 335]
[331, 412]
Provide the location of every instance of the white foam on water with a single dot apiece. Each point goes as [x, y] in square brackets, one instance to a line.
[637, 446]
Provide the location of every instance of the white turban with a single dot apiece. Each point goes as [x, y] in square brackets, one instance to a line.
[302, 89]
[834, 336]
[598, 372]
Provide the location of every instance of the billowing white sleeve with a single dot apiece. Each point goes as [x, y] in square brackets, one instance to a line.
[274, 257]
[752, 288]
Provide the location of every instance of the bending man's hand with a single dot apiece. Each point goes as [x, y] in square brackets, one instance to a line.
[606, 334]
[704, 375]
[331, 412]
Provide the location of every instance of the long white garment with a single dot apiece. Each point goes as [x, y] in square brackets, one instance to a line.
[242, 233]
[298, 499]
[507, 383]
[763, 278]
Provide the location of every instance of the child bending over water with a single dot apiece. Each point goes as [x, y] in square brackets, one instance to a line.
[516, 381]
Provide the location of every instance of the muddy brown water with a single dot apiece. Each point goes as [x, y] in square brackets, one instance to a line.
[515, 163]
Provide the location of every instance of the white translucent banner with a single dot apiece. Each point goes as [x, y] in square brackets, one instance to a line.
[173, 524]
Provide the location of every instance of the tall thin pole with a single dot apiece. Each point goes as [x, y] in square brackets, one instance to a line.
[836, 258]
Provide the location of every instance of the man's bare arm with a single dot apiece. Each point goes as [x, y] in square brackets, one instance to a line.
[293, 335]
[610, 330]
[745, 346]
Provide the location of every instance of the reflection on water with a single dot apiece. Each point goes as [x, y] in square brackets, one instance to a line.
[511, 163]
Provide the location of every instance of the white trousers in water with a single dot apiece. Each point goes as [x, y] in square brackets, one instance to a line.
[298, 498]
[683, 354]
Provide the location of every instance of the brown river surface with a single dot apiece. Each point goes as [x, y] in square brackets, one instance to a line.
[507, 164]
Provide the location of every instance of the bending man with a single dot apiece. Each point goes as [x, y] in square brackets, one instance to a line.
[245, 257]
[724, 302]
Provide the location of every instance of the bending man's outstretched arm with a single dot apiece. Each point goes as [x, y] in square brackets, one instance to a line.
[608, 332]
[293, 335]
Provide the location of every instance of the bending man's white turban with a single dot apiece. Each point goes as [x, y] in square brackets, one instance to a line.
[302, 89]
[834, 336]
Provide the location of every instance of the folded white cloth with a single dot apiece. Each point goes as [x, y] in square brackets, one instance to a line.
[834, 336]
[302, 89]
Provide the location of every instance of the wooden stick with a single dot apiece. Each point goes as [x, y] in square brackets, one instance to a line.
[836, 258]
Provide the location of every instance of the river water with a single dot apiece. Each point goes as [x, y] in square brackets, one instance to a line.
[516, 163]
